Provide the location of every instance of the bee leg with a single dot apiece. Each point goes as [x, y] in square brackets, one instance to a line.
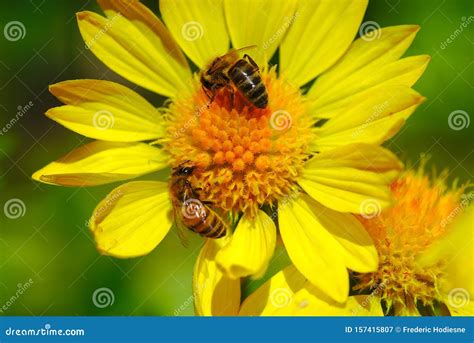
[252, 62]
[232, 95]
[211, 95]
[206, 91]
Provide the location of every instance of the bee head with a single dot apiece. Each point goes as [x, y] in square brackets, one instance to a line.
[184, 169]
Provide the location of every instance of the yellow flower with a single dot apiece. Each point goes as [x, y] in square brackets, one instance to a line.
[425, 248]
[306, 162]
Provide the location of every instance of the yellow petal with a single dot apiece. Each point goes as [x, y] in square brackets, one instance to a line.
[457, 250]
[250, 247]
[406, 310]
[404, 72]
[276, 293]
[353, 178]
[322, 31]
[464, 309]
[288, 293]
[259, 22]
[214, 293]
[364, 305]
[367, 63]
[372, 120]
[134, 43]
[306, 302]
[105, 110]
[357, 246]
[99, 162]
[311, 302]
[133, 219]
[198, 27]
[313, 250]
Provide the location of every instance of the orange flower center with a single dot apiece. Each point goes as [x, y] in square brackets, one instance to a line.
[416, 220]
[245, 157]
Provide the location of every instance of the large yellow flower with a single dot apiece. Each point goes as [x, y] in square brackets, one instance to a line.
[301, 166]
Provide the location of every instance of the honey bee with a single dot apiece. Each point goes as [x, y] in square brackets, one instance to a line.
[230, 70]
[189, 211]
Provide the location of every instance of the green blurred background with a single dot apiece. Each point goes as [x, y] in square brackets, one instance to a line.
[50, 244]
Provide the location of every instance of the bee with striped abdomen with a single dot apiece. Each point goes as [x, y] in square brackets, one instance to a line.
[189, 211]
[231, 71]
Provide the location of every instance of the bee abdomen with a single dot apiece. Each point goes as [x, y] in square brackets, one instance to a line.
[249, 82]
[261, 101]
[216, 228]
[258, 95]
[211, 227]
[240, 72]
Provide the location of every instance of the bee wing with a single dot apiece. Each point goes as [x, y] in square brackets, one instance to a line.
[220, 63]
[245, 48]
[181, 229]
[231, 55]
[235, 52]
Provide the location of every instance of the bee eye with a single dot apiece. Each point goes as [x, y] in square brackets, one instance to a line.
[187, 170]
